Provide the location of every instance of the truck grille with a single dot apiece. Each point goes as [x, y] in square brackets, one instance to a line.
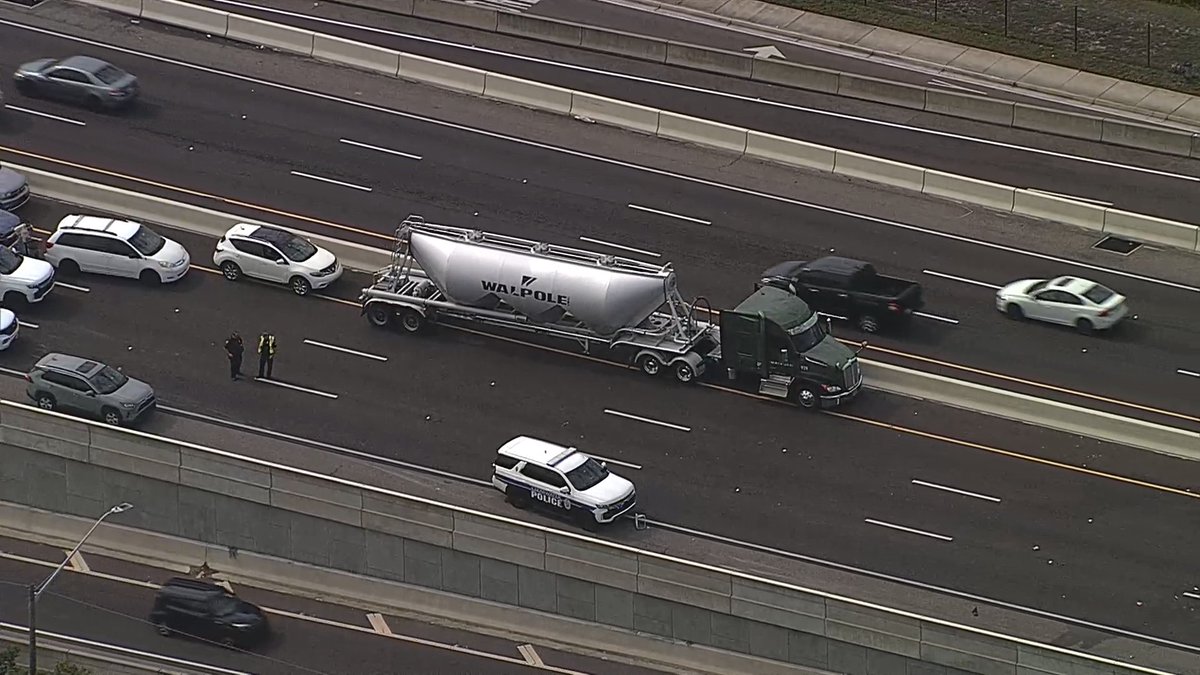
[852, 373]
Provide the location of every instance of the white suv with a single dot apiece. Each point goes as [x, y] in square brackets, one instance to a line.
[122, 248]
[528, 470]
[24, 278]
[274, 254]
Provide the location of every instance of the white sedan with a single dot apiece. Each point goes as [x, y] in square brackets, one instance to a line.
[1070, 301]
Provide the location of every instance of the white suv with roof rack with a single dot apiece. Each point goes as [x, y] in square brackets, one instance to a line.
[122, 248]
[529, 471]
[275, 254]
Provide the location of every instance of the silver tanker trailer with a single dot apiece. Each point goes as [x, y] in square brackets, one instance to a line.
[772, 341]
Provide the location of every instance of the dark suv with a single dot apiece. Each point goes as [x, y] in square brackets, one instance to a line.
[204, 610]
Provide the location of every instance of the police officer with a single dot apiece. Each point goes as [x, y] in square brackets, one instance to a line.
[266, 354]
[234, 349]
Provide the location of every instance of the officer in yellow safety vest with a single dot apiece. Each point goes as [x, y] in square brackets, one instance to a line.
[266, 354]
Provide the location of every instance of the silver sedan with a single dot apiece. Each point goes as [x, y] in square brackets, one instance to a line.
[78, 79]
[1070, 301]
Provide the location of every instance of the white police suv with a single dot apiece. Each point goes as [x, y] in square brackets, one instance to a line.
[528, 471]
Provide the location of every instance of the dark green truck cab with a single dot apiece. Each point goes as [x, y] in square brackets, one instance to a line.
[775, 338]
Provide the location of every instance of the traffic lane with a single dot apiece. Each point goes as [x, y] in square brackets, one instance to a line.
[828, 513]
[114, 611]
[1140, 192]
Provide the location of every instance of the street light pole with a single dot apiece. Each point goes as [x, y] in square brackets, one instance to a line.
[36, 590]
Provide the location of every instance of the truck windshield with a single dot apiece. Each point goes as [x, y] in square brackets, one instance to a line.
[587, 475]
[809, 338]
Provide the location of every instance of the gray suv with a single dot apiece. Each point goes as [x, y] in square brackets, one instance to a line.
[70, 383]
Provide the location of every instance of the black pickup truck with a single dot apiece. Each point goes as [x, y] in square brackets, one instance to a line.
[849, 289]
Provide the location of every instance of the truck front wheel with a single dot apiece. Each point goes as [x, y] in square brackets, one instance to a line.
[807, 398]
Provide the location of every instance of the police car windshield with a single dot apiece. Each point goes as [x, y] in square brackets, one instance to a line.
[9, 261]
[807, 339]
[587, 475]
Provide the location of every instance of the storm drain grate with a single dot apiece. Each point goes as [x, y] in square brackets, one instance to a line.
[1118, 245]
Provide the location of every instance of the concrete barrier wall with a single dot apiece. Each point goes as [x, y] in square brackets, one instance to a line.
[57, 463]
[1033, 410]
[796, 75]
[674, 126]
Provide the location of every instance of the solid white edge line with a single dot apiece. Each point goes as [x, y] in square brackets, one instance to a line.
[609, 460]
[669, 214]
[1071, 197]
[935, 317]
[332, 181]
[379, 623]
[947, 488]
[621, 163]
[712, 92]
[346, 350]
[389, 151]
[1190, 373]
[285, 385]
[647, 420]
[27, 324]
[530, 655]
[46, 115]
[964, 280]
[601, 242]
[931, 535]
[81, 289]
[1192, 595]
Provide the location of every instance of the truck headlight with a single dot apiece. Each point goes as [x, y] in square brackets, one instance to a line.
[831, 388]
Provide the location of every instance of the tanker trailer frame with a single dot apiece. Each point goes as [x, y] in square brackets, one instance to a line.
[671, 337]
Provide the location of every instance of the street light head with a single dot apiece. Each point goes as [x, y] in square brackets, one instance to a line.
[121, 508]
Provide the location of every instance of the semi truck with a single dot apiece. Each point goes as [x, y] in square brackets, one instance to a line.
[631, 310]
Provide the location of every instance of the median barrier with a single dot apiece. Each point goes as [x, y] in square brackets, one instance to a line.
[348, 52]
[527, 93]
[1196, 146]
[979, 108]
[1032, 410]
[270, 34]
[50, 434]
[195, 17]
[618, 113]
[1058, 209]
[212, 472]
[961, 188]
[709, 59]
[134, 453]
[456, 13]
[881, 91]
[448, 75]
[548, 30]
[1037, 118]
[510, 565]
[795, 75]
[705, 132]
[623, 44]
[879, 170]
[133, 7]
[1145, 228]
[789, 151]
[410, 520]
[1155, 139]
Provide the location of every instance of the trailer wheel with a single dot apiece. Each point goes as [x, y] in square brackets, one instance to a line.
[684, 372]
[807, 398]
[649, 364]
[379, 315]
[412, 321]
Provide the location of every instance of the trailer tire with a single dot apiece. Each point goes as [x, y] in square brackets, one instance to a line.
[684, 372]
[379, 315]
[412, 321]
[649, 364]
[807, 398]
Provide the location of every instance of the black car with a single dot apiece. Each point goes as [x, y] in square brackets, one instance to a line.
[204, 610]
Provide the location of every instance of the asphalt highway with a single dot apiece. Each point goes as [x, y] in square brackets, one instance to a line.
[1034, 527]
[309, 637]
[252, 149]
[904, 139]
